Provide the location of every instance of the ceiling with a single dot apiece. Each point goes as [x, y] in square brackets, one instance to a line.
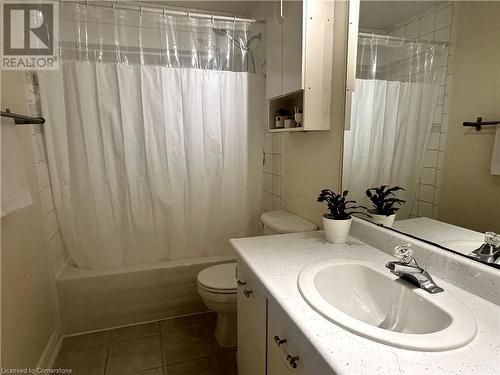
[237, 8]
[381, 15]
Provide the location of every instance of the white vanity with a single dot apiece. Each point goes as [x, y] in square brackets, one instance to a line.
[280, 333]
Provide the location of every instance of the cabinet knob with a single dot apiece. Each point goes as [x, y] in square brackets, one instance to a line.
[247, 293]
[292, 361]
[279, 340]
[241, 283]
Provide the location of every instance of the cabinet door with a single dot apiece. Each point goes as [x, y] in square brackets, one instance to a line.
[281, 356]
[252, 312]
[292, 46]
[274, 53]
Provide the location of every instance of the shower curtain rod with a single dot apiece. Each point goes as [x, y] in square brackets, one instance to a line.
[165, 11]
[389, 37]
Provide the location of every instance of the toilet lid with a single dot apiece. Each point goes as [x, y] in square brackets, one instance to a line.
[219, 277]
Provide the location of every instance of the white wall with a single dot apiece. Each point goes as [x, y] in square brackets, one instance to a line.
[313, 160]
[470, 195]
[29, 317]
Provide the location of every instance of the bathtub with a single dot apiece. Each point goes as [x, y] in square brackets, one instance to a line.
[92, 300]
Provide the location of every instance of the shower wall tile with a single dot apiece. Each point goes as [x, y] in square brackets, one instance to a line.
[50, 224]
[427, 24]
[444, 17]
[428, 176]
[42, 171]
[268, 183]
[46, 200]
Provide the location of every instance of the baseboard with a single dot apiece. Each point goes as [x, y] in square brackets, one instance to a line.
[51, 351]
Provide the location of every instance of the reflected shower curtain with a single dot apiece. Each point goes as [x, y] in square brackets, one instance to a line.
[392, 112]
[150, 163]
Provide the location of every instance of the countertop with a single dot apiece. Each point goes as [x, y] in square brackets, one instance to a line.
[277, 261]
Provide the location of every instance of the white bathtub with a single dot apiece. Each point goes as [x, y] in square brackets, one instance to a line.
[99, 299]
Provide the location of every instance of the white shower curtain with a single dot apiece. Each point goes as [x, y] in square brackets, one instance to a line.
[391, 122]
[392, 112]
[147, 163]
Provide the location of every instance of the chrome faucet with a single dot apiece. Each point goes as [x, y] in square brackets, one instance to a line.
[408, 269]
[489, 251]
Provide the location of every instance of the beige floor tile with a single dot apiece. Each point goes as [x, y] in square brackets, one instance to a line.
[133, 356]
[185, 323]
[185, 339]
[205, 366]
[155, 371]
[135, 332]
[88, 340]
[82, 360]
[227, 362]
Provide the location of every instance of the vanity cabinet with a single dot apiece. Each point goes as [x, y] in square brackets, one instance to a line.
[299, 59]
[252, 314]
[288, 350]
[262, 327]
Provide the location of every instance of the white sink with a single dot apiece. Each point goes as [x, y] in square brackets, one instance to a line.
[368, 300]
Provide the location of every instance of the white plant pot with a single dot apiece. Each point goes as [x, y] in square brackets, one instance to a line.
[336, 231]
[376, 218]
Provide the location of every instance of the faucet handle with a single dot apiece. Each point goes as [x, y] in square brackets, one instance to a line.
[404, 253]
[492, 239]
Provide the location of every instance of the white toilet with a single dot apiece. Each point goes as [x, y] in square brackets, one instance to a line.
[217, 284]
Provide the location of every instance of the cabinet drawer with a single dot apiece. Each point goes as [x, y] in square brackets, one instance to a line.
[289, 351]
[252, 312]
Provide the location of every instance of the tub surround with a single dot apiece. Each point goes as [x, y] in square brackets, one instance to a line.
[276, 262]
[91, 300]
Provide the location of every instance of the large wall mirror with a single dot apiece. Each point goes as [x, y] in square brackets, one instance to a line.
[423, 114]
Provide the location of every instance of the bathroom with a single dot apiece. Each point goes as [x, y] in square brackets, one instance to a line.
[165, 169]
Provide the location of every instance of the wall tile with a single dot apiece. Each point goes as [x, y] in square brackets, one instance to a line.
[268, 163]
[438, 114]
[443, 17]
[428, 176]
[277, 204]
[268, 143]
[277, 144]
[439, 175]
[412, 30]
[56, 248]
[442, 142]
[442, 35]
[38, 147]
[426, 24]
[50, 224]
[426, 193]
[46, 200]
[276, 168]
[440, 163]
[267, 201]
[43, 174]
[425, 209]
[267, 183]
[276, 186]
[431, 158]
[434, 141]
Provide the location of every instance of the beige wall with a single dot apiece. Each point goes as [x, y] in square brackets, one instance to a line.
[314, 159]
[470, 195]
[28, 318]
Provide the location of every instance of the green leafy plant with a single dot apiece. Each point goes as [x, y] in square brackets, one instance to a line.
[340, 208]
[384, 199]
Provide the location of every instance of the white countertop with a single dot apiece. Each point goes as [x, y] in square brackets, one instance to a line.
[277, 262]
[439, 232]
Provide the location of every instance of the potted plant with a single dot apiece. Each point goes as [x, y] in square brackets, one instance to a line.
[385, 204]
[337, 222]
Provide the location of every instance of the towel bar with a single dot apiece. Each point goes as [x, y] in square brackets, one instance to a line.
[479, 123]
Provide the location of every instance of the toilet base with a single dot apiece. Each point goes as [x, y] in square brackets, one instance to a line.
[226, 329]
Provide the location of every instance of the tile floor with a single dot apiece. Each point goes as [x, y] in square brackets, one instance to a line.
[180, 346]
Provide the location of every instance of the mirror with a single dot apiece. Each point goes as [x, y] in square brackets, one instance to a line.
[420, 74]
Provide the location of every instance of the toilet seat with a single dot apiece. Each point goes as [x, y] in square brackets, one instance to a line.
[218, 279]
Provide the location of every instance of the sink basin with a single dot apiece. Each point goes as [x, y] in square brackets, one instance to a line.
[463, 247]
[366, 299]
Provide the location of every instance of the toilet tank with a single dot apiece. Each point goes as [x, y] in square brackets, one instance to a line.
[277, 222]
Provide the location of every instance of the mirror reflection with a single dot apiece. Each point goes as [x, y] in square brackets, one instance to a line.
[422, 144]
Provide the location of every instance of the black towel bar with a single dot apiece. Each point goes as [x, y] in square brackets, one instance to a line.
[23, 119]
[479, 123]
